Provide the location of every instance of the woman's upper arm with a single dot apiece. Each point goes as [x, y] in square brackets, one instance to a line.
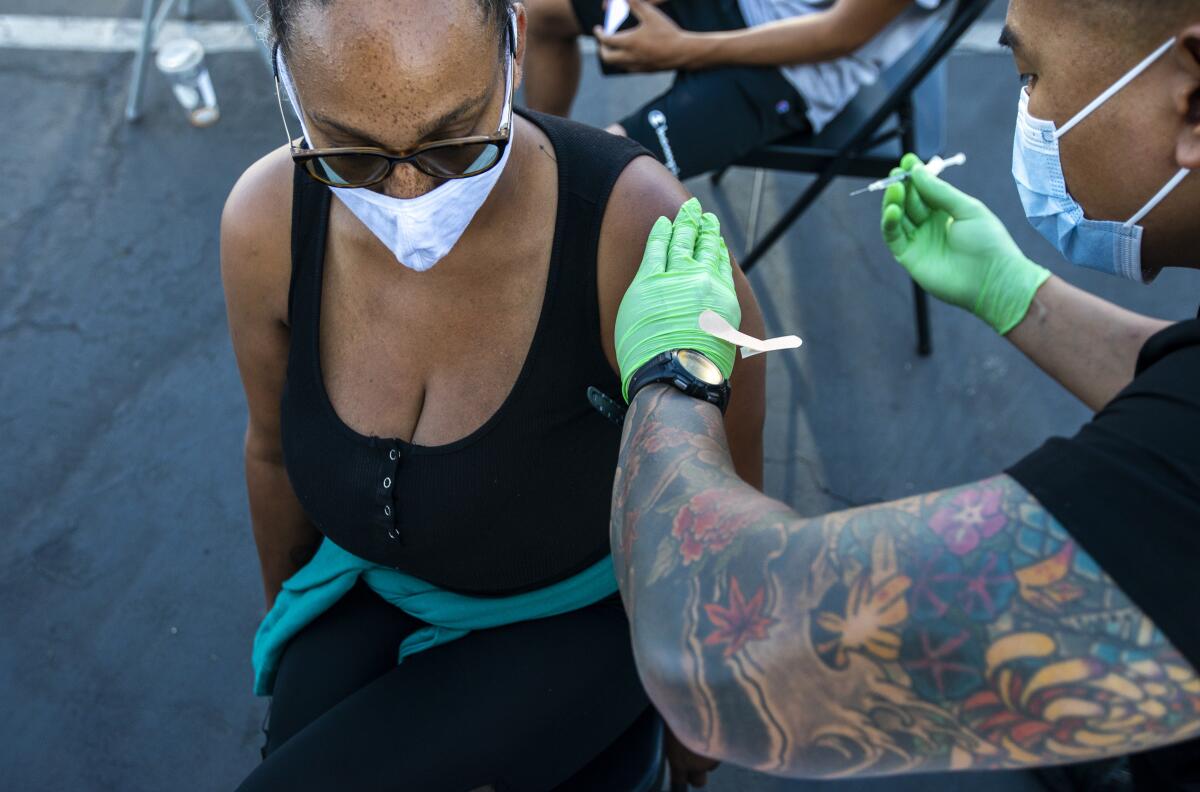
[255, 272]
[748, 402]
[644, 192]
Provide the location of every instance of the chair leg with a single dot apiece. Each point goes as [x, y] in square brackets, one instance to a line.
[133, 104]
[715, 178]
[921, 305]
[781, 226]
[908, 140]
[760, 178]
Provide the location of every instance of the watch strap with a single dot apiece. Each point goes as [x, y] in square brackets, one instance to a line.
[607, 406]
[656, 369]
[666, 368]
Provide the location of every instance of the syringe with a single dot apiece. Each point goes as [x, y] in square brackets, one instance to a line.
[935, 166]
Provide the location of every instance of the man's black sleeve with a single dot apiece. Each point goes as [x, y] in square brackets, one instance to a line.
[1127, 486]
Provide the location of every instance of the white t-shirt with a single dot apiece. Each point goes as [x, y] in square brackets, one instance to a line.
[828, 87]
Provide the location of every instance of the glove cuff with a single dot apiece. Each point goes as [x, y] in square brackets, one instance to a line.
[1008, 292]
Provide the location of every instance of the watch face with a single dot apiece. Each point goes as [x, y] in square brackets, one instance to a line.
[699, 367]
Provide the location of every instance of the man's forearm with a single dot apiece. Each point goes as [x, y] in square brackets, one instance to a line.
[660, 419]
[1087, 344]
[813, 38]
[678, 504]
[954, 629]
[788, 42]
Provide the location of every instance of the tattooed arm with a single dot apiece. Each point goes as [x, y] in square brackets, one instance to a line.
[950, 630]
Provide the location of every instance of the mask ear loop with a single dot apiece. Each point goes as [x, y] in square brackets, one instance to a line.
[512, 30]
[1114, 88]
[284, 77]
[1159, 198]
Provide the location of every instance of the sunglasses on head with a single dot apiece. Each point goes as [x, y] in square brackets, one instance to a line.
[454, 158]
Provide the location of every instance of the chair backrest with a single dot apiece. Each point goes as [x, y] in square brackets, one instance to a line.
[862, 119]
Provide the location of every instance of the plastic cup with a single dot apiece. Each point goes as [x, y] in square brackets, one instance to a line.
[181, 60]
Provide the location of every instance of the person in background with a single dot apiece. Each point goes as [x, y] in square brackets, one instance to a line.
[421, 289]
[747, 72]
[1045, 615]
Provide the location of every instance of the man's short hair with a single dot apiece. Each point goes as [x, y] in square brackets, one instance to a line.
[1139, 22]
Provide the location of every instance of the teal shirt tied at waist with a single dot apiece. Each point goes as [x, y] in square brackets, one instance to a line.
[332, 572]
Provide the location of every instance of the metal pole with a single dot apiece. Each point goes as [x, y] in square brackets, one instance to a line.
[164, 11]
[133, 105]
[755, 206]
[908, 140]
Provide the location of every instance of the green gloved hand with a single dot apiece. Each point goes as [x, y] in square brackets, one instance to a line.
[685, 271]
[956, 249]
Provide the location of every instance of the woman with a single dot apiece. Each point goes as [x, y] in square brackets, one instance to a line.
[416, 356]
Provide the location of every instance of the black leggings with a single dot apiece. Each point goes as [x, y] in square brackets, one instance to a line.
[520, 707]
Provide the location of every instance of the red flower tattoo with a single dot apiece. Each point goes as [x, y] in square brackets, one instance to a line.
[629, 533]
[660, 436]
[702, 528]
[739, 623]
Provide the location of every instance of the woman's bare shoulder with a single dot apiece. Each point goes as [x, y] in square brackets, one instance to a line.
[256, 226]
[643, 192]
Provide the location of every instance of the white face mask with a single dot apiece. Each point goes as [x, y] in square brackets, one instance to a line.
[419, 231]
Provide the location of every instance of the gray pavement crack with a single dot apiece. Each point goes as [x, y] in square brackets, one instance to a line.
[107, 415]
[865, 257]
[40, 326]
[814, 470]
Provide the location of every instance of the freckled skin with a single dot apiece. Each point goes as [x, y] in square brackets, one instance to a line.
[385, 68]
[388, 69]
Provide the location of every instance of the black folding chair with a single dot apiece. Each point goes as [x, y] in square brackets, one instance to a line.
[850, 145]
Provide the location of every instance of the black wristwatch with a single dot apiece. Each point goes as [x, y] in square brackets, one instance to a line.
[689, 371]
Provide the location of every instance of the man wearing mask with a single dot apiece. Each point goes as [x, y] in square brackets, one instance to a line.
[1046, 615]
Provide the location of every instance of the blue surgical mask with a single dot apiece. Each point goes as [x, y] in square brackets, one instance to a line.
[1105, 245]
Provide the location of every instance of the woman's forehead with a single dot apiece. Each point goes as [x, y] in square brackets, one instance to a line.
[388, 66]
[421, 40]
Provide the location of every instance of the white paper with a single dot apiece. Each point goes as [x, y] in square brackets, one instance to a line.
[715, 325]
[617, 13]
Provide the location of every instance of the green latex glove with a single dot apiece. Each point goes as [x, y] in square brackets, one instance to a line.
[685, 271]
[957, 249]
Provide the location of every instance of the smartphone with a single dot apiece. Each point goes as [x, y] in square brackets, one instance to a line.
[616, 13]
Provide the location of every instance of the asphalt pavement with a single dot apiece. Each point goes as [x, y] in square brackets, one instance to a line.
[129, 587]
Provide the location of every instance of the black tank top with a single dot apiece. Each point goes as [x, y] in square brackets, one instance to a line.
[521, 502]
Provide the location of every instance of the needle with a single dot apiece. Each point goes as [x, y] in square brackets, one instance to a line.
[935, 166]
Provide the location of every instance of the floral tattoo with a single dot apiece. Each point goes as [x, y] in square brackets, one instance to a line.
[956, 629]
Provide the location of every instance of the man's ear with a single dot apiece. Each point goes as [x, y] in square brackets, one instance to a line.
[1185, 94]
